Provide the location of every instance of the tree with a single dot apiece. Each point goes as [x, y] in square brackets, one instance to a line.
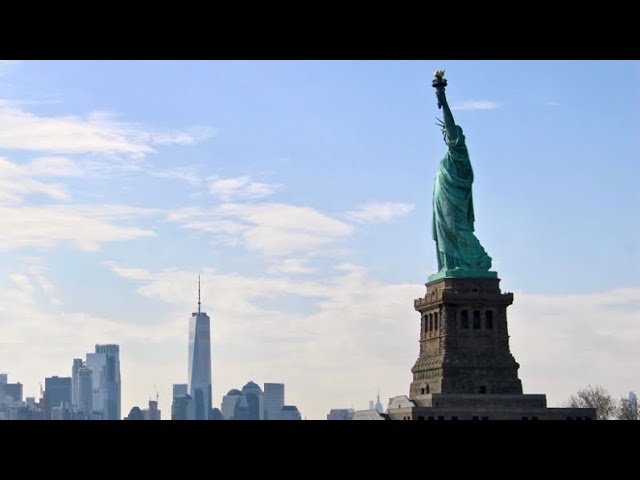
[595, 397]
[628, 410]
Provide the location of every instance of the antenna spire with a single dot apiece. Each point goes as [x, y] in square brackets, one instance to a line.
[198, 293]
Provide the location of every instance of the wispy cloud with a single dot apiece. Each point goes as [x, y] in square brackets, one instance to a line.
[96, 133]
[82, 226]
[377, 212]
[292, 265]
[188, 136]
[273, 229]
[18, 181]
[475, 105]
[186, 174]
[551, 103]
[54, 167]
[240, 188]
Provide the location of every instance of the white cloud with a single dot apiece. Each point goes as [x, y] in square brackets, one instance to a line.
[97, 133]
[54, 167]
[128, 272]
[376, 212]
[186, 174]
[475, 105]
[189, 136]
[17, 181]
[291, 265]
[274, 229]
[551, 103]
[240, 188]
[83, 226]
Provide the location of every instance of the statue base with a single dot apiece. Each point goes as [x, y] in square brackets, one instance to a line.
[461, 273]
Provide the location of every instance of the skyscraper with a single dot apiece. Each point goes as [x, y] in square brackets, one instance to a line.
[152, 413]
[232, 405]
[290, 412]
[112, 378]
[273, 400]
[85, 393]
[340, 413]
[255, 402]
[180, 389]
[75, 381]
[97, 364]
[200, 362]
[57, 393]
[378, 406]
[182, 408]
[9, 392]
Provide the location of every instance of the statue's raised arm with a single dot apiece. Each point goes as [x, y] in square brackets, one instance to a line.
[451, 130]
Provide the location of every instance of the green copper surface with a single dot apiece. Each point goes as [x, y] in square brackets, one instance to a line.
[459, 252]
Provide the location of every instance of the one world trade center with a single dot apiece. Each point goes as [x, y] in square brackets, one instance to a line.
[200, 362]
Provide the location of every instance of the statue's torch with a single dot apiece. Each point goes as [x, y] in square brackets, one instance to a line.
[439, 83]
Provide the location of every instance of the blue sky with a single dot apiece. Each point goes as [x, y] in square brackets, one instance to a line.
[301, 191]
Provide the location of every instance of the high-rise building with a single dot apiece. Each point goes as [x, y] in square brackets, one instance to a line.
[230, 403]
[255, 401]
[135, 414]
[85, 393]
[273, 400]
[180, 389]
[290, 412]
[57, 393]
[97, 364]
[182, 408]
[152, 413]
[75, 384]
[11, 392]
[63, 412]
[200, 362]
[378, 406]
[340, 414]
[112, 381]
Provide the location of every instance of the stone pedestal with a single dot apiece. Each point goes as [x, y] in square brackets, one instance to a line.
[464, 340]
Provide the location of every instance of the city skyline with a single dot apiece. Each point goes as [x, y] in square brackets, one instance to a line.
[301, 193]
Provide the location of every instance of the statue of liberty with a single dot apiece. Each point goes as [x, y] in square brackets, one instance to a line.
[460, 253]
